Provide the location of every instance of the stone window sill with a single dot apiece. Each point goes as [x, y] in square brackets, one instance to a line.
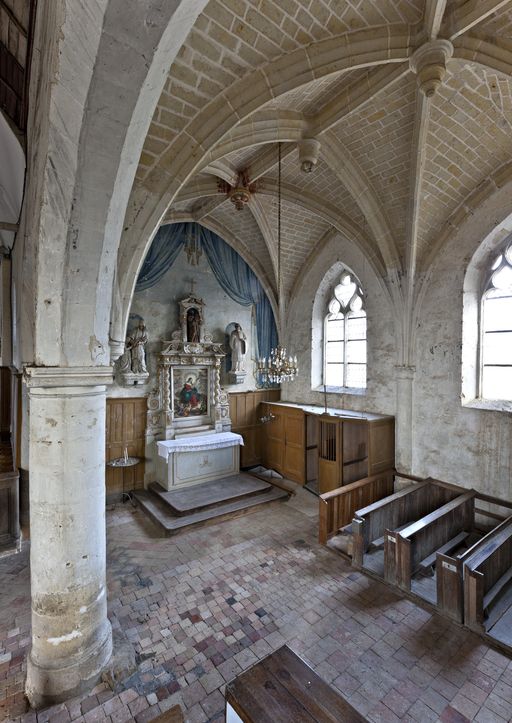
[491, 405]
[355, 391]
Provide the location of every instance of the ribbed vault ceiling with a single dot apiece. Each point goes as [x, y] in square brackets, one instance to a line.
[395, 167]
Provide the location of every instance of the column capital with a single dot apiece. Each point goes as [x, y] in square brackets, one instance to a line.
[404, 371]
[48, 377]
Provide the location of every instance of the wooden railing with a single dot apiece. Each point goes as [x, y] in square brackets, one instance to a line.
[337, 507]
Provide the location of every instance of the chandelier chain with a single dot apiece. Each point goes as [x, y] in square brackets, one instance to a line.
[279, 367]
[279, 282]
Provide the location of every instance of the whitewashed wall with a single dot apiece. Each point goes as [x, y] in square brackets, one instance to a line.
[379, 395]
[464, 445]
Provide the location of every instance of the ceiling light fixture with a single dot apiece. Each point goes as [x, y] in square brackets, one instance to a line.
[240, 193]
[280, 366]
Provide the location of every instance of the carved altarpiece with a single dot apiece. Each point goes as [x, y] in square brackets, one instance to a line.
[189, 397]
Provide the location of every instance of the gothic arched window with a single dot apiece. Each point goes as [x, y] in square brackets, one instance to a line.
[345, 336]
[496, 329]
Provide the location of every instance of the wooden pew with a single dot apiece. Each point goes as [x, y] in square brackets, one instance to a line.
[392, 512]
[450, 571]
[337, 507]
[405, 551]
[487, 571]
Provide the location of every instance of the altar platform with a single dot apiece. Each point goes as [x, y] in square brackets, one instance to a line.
[189, 460]
[208, 502]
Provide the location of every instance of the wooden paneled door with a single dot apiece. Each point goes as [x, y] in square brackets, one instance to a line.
[285, 442]
[126, 427]
[295, 446]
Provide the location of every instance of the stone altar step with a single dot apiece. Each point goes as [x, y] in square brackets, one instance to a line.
[169, 523]
[185, 500]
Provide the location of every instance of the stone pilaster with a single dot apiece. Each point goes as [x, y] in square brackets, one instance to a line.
[71, 634]
[404, 418]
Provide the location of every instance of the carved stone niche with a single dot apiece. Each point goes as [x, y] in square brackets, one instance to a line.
[192, 320]
[189, 398]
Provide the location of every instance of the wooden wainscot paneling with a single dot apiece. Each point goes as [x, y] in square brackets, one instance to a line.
[125, 427]
[5, 404]
[9, 510]
[245, 412]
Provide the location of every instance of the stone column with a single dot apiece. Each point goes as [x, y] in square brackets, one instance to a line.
[404, 418]
[71, 634]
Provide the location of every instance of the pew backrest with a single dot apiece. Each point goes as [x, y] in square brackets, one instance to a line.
[483, 570]
[394, 511]
[450, 571]
[404, 550]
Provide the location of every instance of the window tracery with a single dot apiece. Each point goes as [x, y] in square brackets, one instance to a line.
[496, 329]
[345, 336]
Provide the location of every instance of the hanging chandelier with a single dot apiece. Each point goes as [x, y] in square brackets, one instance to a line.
[280, 366]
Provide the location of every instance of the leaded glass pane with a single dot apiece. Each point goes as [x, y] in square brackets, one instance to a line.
[344, 292]
[497, 348]
[356, 375]
[335, 329]
[334, 375]
[356, 351]
[497, 383]
[334, 307]
[334, 351]
[356, 326]
[502, 279]
[497, 262]
[356, 304]
[497, 312]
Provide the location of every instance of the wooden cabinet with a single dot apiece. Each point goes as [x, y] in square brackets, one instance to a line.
[351, 449]
[245, 413]
[337, 448]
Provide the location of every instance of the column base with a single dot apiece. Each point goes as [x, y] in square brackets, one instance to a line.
[47, 685]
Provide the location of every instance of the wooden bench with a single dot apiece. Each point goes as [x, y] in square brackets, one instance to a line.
[282, 688]
[173, 715]
[449, 576]
[486, 573]
[427, 564]
[395, 512]
[405, 551]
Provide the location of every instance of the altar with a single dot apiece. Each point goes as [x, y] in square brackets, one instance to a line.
[198, 458]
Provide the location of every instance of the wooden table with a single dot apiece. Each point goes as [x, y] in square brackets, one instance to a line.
[281, 688]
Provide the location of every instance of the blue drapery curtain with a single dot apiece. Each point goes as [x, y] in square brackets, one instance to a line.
[231, 271]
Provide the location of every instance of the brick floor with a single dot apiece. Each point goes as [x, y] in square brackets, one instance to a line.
[201, 607]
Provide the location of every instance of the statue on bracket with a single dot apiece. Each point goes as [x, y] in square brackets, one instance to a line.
[131, 366]
[138, 342]
[193, 325]
[238, 346]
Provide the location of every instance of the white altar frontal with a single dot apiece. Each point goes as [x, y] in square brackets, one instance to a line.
[198, 458]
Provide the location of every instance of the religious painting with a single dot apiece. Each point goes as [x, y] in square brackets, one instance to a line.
[190, 392]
